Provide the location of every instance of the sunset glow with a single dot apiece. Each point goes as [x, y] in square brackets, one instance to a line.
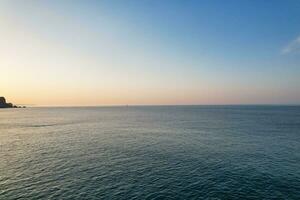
[150, 52]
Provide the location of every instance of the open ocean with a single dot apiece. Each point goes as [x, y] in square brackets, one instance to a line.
[150, 152]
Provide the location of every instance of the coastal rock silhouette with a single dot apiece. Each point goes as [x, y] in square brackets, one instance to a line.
[4, 104]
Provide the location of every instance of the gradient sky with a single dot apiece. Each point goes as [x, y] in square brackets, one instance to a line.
[150, 52]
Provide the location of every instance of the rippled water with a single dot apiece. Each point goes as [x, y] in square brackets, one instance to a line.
[171, 152]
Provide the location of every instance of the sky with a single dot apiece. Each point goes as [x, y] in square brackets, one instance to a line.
[150, 52]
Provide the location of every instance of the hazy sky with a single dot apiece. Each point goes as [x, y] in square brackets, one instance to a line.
[150, 52]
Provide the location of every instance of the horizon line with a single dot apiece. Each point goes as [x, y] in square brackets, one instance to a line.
[158, 105]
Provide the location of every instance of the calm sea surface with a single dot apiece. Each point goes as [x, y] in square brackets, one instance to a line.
[167, 152]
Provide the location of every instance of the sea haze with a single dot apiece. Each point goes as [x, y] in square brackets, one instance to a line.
[150, 152]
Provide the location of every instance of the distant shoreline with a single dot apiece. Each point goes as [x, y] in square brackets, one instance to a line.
[4, 104]
[208, 105]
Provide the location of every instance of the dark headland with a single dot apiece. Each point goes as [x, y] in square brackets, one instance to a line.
[4, 104]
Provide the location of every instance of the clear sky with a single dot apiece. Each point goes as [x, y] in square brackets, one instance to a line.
[150, 52]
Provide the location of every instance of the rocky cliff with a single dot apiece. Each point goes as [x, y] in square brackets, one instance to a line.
[3, 103]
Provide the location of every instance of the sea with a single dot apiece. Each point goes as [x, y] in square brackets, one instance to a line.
[150, 152]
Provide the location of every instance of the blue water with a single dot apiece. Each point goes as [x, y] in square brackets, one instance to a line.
[167, 152]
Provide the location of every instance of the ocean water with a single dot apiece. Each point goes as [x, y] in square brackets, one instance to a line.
[162, 152]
